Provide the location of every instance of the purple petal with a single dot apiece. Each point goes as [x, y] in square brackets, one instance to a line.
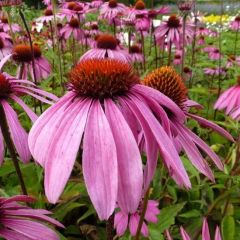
[18, 134]
[63, 148]
[184, 234]
[205, 230]
[100, 162]
[130, 172]
[121, 223]
[1, 148]
[205, 123]
[217, 234]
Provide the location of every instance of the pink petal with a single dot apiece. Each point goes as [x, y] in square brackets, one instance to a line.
[184, 234]
[18, 134]
[130, 172]
[1, 148]
[63, 148]
[100, 162]
[205, 230]
[217, 234]
[120, 223]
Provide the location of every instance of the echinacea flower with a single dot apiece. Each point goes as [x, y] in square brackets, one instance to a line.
[139, 8]
[229, 101]
[168, 82]
[11, 89]
[4, 25]
[22, 55]
[233, 60]
[171, 30]
[92, 28]
[135, 54]
[106, 47]
[72, 28]
[235, 24]
[7, 3]
[215, 71]
[74, 10]
[111, 9]
[122, 220]
[5, 48]
[48, 16]
[142, 24]
[214, 54]
[104, 111]
[21, 222]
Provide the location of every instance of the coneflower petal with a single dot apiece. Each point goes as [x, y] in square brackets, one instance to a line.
[130, 171]
[18, 134]
[45, 127]
[61, 157]
[1, 148]
[205, 230]
[184, 234]
[100, 162]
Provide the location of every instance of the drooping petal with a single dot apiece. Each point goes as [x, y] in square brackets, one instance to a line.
[184, 234]
[63, 148]
[205, 230]
[121, 223]
[44, 128]
[208, 124]
[217, 234]
[28, 110]
[18, 134]
[100, 162]
[33, 230]
[133, 223]
[167, 150]
[8, 234]
[130, 172]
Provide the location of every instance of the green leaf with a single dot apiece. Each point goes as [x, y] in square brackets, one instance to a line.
[228, 228]
[191, 214]
[166, 218]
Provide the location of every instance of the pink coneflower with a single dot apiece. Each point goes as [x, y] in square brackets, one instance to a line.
[168, 82]
[103, 112]
[187, 72]
[139, 8]
[142, 23]
[122, 220]
[96, 3]
[48, 16]
[106, 47]
[202, 31]
[177, 57]
[235, 24]
[233, 60]
[10, 89]
[201, 40]
[21, 222]
[4, 25]
[209, 48]
[172, 31]
[230, 101]
[214, 54]
[7, 3]
[92, 28]
[22, 55]
[153, 13]
[74, 10]
[214, 71]
[72, 28]
[112, 9]
[47, 2]
[135, 54]
[5, 48]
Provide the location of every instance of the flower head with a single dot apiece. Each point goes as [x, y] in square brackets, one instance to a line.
[104, 111]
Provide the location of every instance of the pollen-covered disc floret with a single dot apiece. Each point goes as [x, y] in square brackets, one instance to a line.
[102, 78]
[140, 5]
[5, 87]
[74, 23]
[112, 3]
[23, 53]
[237, 19]
[173, 22]
[107, 41]
[167, 81]
[71, 5]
